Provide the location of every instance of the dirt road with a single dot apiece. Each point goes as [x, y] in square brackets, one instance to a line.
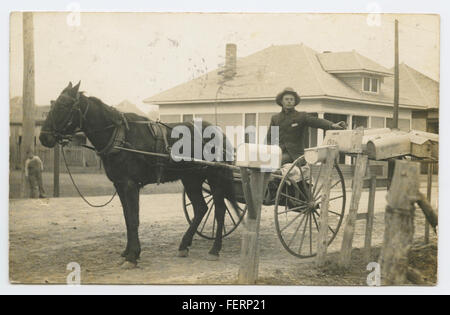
[46, 235]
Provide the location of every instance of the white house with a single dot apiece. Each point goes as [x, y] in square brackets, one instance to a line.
[333, 85]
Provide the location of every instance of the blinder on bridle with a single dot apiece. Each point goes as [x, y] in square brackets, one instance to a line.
[62, 133]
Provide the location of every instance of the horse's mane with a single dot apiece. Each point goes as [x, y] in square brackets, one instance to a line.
[113, 113]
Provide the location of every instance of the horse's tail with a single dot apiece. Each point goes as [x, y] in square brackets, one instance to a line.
[229, 188]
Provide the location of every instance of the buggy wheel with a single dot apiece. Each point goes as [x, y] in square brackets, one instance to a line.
[207, 228]
[297, 208]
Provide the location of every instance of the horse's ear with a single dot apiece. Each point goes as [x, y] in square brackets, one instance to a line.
[76, 87]
[70, 85]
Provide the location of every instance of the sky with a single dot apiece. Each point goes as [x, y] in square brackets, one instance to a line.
[132, 56]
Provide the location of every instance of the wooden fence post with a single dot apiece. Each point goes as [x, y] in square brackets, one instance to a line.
[56, 150]
[399, 223]
[254, 183]
[429, 190]
[322, 241]
[347, 242]
[370, 218]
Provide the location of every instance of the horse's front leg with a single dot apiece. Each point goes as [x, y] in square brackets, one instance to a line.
[129, 195]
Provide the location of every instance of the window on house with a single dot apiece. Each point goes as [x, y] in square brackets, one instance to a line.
[377, 122]
[403, 124]
[250, 121]
[370, 85]
[366, 84]
[374, 87]
[360, 121]
[188, 118]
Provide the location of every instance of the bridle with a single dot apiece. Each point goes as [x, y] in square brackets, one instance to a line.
[60, 133]
[63, 137]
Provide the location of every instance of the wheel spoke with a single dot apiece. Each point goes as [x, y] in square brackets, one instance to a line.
[286, 201]
[303, 237]
[321, 186]
[214, 226]
[310, 233]
[209, 201]
[336, 213]
[338, 197]
[315, 221]
[329, 227]
[294, 199]
[332, 231]
[229, 214]
[319, 201]
[293, 209]
[334, 185]
[296, 231]
[299, 190]
[316, 196]
[317, 180]
[207, 216]
[292, 221]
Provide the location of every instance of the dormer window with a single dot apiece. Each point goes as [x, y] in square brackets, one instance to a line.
[370, 85]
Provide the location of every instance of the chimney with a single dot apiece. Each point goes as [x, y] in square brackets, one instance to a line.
[230, 61]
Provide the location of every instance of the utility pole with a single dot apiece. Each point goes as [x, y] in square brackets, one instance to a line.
[28, 124]
[391, 162]
[396, 80]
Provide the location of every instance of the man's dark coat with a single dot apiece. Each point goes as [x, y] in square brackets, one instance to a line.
[292, 127]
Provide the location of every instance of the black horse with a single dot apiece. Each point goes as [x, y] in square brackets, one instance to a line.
[106, 128]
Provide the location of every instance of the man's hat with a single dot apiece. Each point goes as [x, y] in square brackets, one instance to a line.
[287, 90]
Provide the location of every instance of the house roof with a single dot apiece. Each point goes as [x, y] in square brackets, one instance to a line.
[350, 62]
[417, 86]
[262, 75]
[128, 107]
[16, 110]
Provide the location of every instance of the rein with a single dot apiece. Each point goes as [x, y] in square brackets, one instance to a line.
[62, 138]
[78, 190]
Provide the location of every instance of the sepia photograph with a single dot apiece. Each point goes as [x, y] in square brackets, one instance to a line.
[181, 148]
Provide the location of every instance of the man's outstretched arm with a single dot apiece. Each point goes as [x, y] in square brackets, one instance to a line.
[312, 121]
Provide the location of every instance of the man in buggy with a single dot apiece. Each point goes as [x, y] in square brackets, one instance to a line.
[292, 126]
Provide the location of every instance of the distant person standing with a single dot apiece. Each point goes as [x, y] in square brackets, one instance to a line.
[33, 174]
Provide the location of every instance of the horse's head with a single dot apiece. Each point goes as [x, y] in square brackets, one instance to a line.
[63, 118]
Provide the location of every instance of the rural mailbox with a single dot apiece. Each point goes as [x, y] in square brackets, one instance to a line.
[385, 143]
[388, 145]
[419, 144]
[347, 141]
[424, 144]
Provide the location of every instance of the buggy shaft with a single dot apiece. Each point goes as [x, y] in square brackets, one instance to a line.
[197, 161]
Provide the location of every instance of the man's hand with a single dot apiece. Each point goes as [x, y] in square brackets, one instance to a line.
[339, 126]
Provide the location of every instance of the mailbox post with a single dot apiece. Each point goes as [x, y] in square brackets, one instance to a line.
[256, 162]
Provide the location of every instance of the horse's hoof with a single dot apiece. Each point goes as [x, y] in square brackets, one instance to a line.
[183, 253]
[212, 257]
[128, 265]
